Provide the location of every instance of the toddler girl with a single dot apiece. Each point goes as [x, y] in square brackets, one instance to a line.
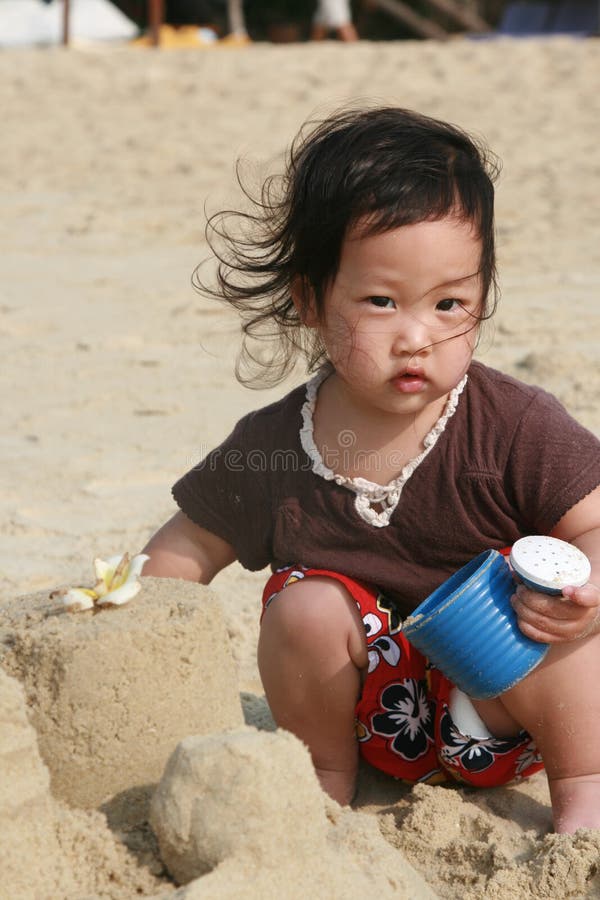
[399, 461]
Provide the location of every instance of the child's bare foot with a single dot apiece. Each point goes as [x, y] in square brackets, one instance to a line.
[575, 803]
[341, 786]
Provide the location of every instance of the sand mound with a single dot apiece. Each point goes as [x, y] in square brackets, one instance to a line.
[31, 860]
[47, 850]
[492, 844]
[247, 808]
[112, 693]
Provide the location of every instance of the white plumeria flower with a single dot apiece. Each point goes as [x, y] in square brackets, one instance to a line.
[118, 579]
[76, 599]
[117, 583]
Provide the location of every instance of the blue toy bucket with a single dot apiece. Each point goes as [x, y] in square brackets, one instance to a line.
[468, 629]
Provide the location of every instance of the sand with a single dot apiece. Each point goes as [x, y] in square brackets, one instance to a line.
[116, 377]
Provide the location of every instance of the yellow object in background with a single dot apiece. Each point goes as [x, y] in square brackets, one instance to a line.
[187, 36]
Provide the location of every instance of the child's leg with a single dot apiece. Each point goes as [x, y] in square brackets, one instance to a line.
[311, 651]
[559, 705]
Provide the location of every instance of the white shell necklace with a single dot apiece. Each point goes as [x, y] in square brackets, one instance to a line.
[374, 503]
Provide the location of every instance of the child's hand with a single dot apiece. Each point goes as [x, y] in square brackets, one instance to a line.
[553, 619]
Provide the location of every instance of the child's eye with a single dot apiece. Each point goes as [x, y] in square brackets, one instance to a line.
[382, 302]
[448, 305]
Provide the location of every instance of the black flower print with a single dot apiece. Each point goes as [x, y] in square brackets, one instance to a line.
[408, 718]
[372, 623]
[388, 608]
[529, 757]
[382, 647]
[474, 754]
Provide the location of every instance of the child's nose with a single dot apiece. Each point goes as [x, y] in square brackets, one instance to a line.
[411, 336]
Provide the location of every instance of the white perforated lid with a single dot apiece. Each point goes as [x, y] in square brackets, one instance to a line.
[549, 563]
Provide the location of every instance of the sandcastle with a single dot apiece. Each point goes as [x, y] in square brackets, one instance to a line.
[114, 696]
[111, 693]
[242, 815]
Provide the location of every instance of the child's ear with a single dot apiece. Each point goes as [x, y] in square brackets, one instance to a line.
[303, 298]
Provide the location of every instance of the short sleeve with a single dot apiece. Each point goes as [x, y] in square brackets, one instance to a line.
[554, 463]
[229, 497]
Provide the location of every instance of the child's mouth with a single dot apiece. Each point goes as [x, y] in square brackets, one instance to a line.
[409, 382]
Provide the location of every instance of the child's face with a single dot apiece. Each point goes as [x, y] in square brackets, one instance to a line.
[401, 315]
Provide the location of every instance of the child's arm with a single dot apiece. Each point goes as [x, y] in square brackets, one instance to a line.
[182, 549]
[576, 613]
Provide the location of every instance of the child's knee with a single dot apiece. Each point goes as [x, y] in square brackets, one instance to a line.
[314, 613]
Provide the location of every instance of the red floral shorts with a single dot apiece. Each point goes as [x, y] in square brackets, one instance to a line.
[403, 721]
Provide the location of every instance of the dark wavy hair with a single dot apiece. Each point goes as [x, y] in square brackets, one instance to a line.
[383, 167]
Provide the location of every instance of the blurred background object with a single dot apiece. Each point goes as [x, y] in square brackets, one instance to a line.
[198, 23]
[333, 17]
[26, 23]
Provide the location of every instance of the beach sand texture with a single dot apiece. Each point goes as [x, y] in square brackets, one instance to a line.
[116, 377]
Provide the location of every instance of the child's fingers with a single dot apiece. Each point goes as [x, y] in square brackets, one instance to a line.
[550, 631]
[552, 619]
[549, 606]
[588, 595]
[542, 636]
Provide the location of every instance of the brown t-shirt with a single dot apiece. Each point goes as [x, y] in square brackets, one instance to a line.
[510, 462]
